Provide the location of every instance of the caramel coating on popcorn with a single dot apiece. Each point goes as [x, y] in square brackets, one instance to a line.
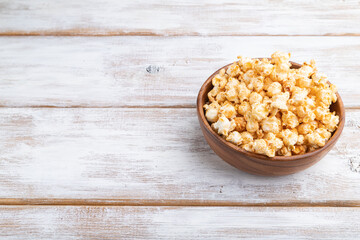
[266, 107]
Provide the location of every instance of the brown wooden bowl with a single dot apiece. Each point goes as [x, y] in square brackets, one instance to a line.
[256, 163]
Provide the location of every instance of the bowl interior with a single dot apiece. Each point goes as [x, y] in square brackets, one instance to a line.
[338, 107]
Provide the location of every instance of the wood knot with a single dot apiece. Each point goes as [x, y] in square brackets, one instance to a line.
[153, 69]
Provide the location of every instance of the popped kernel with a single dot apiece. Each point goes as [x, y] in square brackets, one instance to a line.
[274, 88]
[289, 119]
[240, 124]
[271, 124]
[228, 110]
[264, 106]
[212, 111]
[246, 137]
[235, 138]
[223, 126]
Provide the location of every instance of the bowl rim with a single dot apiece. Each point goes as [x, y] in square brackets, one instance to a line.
[329, 143]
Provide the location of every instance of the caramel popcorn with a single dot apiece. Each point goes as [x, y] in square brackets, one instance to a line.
[266, 107]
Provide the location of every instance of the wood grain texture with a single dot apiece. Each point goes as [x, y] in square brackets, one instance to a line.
[31, 222]
[157, 156]
[156, 17]
[150, 71]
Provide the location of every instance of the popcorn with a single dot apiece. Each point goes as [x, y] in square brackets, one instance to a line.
[315, 140]
[228, 110]
[255, 98]
[289, 137]
[235, 138]
[252, 126]
[259, 111]
[244, 92]
[212, 111]
[243, 108]
[256, 84]
[260, 146]
[298, 95]
[240, 124]
[264, 106]
[274, 88]
[221, 97]
[233, 70]
[289, 119]
[246, 137]
[280, 100]
[271, 124]
[223, 126]
[306, 128]
[299, 149]
[273, 141]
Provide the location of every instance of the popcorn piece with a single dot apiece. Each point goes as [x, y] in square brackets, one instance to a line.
[306, 128]
[273, 141]
[219, 81]
[298, 95]
[245, 63]
[232, 90]
[255, 98]
[304, 82]
[259, 111]
[324, 97]
[301, 140]
[315, 140]
[252, 126]
[221, 97]
[267, 83]
[289, 137]
[228, 110]
[323, 133]
[331, 121]
[212, 94]
[284, 151]
[243, 108]
[240, 124]
[264, 68]
[271, 124]
[248, 76]
[290, 119]
[274, 89]
[321, 113]
[246, 137]
[306, 70]
[223, 126]
[244, 92]
[256, 84]
[280, 100]
[212, 111]
[281, 57]
[299, 149]
[235, 138]
[233, 70]
[260, 146]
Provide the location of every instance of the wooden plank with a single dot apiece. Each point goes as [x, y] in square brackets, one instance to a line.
[150, 71]
[155, 17]
[80, 222]
[151, 157]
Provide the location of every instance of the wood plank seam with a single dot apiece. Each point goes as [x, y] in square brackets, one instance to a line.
[183, 203]
[154, 34]
[121, 107]
[105, 107]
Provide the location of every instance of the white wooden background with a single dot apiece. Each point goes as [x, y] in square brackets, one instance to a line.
[99, 137]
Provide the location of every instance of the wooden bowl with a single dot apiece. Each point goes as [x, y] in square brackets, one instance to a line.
[256, 163]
